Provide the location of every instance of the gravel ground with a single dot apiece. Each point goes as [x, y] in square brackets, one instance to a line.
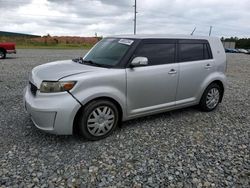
[183, 148]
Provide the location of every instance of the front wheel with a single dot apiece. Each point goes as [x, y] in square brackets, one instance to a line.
[2, 54]
[211, 97]
[98, 119]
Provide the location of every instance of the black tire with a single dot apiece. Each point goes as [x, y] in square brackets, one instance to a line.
[88, 110]
[203, 102]
[2, 54]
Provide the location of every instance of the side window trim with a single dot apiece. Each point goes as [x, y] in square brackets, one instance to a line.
[129, 56]
[209, 50]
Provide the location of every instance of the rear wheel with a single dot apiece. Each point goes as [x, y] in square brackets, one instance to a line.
[2, 54]
[211, 97]
[98, 119]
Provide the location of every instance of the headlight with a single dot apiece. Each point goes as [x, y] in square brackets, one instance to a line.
[51, 87]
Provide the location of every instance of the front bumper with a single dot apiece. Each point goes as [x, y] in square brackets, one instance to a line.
[51, 112]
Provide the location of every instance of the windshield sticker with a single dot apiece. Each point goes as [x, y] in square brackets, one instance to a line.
[126, 41]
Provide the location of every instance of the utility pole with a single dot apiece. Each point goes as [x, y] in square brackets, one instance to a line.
[135, 12]
[210, 30]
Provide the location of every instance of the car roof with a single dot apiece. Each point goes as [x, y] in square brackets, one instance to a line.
[163, 36]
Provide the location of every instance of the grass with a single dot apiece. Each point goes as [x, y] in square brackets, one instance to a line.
[46, 43]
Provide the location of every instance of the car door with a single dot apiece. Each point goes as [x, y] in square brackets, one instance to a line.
[196, 64]
[153, 87]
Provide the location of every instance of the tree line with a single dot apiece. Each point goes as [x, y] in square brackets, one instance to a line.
[239, 42]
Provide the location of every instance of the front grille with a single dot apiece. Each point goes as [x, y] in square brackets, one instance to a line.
[33, 88]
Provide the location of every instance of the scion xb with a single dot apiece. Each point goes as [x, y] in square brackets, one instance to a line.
[125, 77]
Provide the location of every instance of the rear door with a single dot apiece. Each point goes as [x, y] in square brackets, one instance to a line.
[153, 87]
[196, 64]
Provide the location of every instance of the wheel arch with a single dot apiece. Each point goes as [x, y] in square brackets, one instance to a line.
[4, 50]
[218, 82]
[77, 116]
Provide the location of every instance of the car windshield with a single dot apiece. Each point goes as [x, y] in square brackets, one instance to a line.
[108, 52]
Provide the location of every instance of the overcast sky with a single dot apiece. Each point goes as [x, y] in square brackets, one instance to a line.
[108, 17]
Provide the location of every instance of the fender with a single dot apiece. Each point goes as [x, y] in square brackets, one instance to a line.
[215, 76]
[89, 94]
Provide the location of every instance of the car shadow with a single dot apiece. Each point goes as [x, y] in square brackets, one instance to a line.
[8, 58]
[32, 131]
[152, 118]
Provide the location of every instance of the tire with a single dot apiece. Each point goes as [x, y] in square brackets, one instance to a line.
[211, 97]
[98, 120]
[2, 54]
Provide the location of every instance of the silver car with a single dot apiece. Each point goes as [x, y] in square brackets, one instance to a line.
[125, 77]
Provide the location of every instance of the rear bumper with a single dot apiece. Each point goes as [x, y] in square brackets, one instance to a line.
[52, 113]
[11, 51]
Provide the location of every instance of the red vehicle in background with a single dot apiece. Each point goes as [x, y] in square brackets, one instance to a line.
[7, 48]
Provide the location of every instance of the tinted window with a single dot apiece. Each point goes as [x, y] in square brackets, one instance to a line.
[157, 53]
[193, 52]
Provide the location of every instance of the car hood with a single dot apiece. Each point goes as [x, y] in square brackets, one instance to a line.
[57, 70]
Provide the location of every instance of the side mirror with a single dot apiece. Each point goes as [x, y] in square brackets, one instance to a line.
[139, 61]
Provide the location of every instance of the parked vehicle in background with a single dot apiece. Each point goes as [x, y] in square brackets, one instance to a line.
[240, 50]
[248, 51]
[237, 50]
[7, 48]
[231, 50]
[125, 77]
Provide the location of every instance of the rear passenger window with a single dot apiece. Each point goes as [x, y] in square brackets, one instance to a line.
[157, 54]
[193, 52]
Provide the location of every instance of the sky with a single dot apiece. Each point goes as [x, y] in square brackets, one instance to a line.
[108, 17]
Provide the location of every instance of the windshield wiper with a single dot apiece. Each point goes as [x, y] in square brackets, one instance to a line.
[78, 60]
[89, 62]
[81, 61]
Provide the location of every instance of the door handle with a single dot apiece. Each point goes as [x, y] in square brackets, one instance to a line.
[208, 66]
[172, 71]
